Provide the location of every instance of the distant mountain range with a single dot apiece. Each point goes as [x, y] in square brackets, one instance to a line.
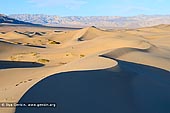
[77, 21]
[5, 20]
[98, 21]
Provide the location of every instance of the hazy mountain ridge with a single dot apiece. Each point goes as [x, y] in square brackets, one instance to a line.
[8, 20]
[99, 21]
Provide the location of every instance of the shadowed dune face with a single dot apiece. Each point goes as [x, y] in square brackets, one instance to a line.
[12, 44]
[31, 34]
[17, 64]
[133, 88]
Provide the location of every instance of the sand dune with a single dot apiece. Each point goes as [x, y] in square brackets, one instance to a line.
[152, 56]
[32, 54]
[135, 88]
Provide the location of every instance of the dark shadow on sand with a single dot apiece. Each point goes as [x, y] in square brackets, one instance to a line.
[135, 88]
[18, 64]
[35, 46]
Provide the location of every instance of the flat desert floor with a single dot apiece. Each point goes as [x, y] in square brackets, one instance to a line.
[88, 70]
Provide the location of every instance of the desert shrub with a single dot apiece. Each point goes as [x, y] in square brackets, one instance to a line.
[58, 31]
[54, 42]
[16, 43]
[63, 63]
[43, 60]
[34, 53]
[3, 32]
[12, 58]
[82, 55]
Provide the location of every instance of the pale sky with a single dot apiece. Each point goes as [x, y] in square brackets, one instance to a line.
[86, 7]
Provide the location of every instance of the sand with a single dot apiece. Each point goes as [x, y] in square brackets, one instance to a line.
[29, 55]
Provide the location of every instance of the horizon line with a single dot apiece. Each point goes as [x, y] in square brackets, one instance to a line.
[86, 15]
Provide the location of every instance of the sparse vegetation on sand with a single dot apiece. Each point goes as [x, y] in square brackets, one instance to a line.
[30, 56]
